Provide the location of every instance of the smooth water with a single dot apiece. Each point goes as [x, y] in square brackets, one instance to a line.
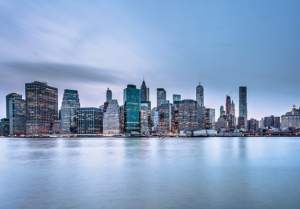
[181, 173]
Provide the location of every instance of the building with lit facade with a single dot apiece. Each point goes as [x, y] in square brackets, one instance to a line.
[241, 123]
[200, 95]
[132, 102]
[187, 115]
[176, 98]
[164, 118]
[4, 127]
[89, 120]
[161, 96]
[69, 106]
[144, 92]
[252, 124]
[175, 117]
[154, 119]
[17, 116]
[243, 112]
[41, 107]
[112, 119]
[291, 119]
[201, 117]
[145, 117]
[210, 118]
[8, 98]
[228, 105]
[272, 122]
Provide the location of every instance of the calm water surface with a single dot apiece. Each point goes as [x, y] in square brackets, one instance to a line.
[181, 173]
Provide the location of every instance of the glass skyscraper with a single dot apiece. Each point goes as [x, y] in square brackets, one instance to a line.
[132, 102]
[108, 95]
[41, 107]
[17, 116]
[243, 104]
[112, 119]
[187, 115]
[176, 98]
[8, 97]
[144, 92]
[69, 106]
[161, 96]
[200, 95]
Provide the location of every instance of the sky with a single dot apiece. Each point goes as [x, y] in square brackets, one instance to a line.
[92, 45]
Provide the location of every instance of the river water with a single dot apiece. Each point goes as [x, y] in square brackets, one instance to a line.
[183, 173]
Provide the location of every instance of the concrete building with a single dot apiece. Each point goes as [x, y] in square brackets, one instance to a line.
[4, 127]
[187, 115]
[291, 119]
[161, 96]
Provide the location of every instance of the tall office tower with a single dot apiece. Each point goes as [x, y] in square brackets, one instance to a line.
[17, 116]
[222, 111]
[187, 115]
[161, 96]
[176, 98]
[41, 107]
[154, 119]
[122, 114]
[112, 119]
[69, 106]
[175, 117]
[145, 116]
[228, 105]
[9, 97]
[144, 92]
[164, 118]
[241, 123]
[89, 120]
[243, 103]
[132, 102]
[232, 108]
[4, 127]
[108, 95]
[200, 94]
[201, 117]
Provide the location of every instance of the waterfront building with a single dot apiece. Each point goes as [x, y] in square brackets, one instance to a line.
[17, 116]
[161, 96]
[200, 94]
[154, 119]
[56, 127]
[210, 118]
[291, 119]
[69, 106]
[221, 123]
[252, 124]
[112, 119]
[261, 123]
[176, 98]
[187, 115]
[272, 122]
[89, 120]
[145, 117]
[108, 95]
[8, 98]
[201, 117]
[4, 127]
[243, 112]
[132, 102]
[41, 107]
[164, 118]
[144, 92]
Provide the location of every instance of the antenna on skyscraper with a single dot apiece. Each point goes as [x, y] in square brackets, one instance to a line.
[199, 78]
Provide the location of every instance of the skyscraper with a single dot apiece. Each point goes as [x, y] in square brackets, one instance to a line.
[4, 127]
[132, 102]
[108, 95]
[232, 108]
[8, 97]
[161, 96]
[228, 105]
[145, 118]
[243, 104]
[41, 107]
[222, 112]
[176, 98]
[17, 116]
[164, 118]
[69, 106]
[200, 94]
[112, 119]
[144, 92]
[89, 120]
[187, 115]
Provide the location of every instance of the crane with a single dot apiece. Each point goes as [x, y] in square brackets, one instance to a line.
[229, 93]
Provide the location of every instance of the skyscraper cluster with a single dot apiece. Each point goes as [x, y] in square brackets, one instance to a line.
[38, 114]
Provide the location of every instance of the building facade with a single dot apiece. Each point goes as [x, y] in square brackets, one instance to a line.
[132, 102]
[108, 95]
[291, 119]
[69, 107]
[89, 120]
[4, 127]
[144, 92]
[243, 112]
[176, 98]
[161, 96]
[17, 116]
[41, 107]
[187, 115]
[200, 95]
[8, 98]
[112, 119]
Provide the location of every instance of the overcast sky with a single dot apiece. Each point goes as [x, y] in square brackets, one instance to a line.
[92, 45]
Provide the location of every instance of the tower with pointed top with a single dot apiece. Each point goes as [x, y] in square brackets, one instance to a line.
[144, 92]
[108, 95]
[200, 94]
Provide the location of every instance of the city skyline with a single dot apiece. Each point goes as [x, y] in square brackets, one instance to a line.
[232, 44]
